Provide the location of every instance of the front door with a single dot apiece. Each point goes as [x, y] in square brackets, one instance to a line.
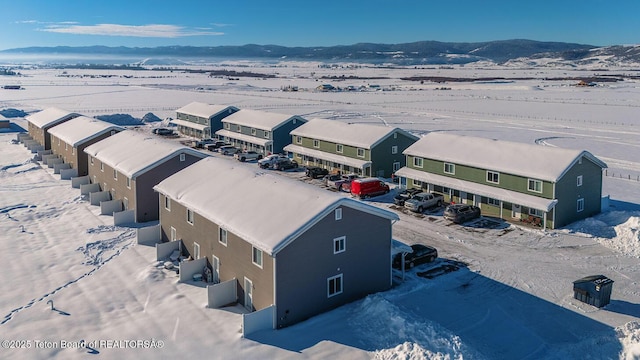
[463, 197]
[248, 294]
[515, 211]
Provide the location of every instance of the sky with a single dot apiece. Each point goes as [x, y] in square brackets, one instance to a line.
[150, 23]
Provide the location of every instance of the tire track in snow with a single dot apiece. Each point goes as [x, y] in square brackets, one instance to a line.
[94, 253]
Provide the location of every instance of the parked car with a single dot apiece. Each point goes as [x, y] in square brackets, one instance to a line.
[460, 213]
[228, 150]
[200, 144]
[285, 164]
[247, 155]
[367, 187]
[162, 131]
[344, 183]
[421, 254]
[331, 179]
[270, 160]
[216, 145]
[405, 195]
[422, 201]
[315, 172]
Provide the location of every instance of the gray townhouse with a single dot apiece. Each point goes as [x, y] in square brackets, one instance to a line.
[70, 138]
[283, 242]
[363, 149]
[200, 120]
[547, 186]
[129, 164]
[260, 131]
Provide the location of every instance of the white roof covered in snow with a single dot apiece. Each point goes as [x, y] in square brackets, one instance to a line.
[202, 109]
[133, 153]
[260, 119]
[82, 129]
[535, 161]
[274, 210]
[359, 135]
[49, 117]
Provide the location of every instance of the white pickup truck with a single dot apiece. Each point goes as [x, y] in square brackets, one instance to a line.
[422, 201]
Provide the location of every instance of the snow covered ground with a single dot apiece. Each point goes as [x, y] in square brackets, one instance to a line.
[510, 297]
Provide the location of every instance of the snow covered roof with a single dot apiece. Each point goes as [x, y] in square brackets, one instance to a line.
[260, 119]
[133, 153]
[359, 135]
[273, 209]
[318, 154]
[244, 137]
[49, 117]
[534, 202]
[204, 110]
[82, 129]
[535, 161]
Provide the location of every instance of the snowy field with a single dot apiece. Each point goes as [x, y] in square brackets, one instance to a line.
[510, 298]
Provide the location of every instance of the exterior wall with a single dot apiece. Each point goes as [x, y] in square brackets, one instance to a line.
[281, 136]
[383, 159]
[331, 148]
[260, 135]
[568, 193]
[117, 187]
[38, 135]
[64, 151]
[215, 121]
[304, 266]
[235, 258]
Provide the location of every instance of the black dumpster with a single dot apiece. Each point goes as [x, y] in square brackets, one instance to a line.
[594, 290]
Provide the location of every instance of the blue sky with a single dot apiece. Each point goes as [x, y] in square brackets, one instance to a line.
[148, 23]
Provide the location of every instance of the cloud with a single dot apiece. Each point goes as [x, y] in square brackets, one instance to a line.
[152, 30]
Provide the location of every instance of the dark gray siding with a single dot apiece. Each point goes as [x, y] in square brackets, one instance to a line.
[215, 121]
[281, 136]
[303, 267]
[568, 193]
[383, 159]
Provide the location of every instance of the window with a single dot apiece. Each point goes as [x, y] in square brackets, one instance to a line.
[316, 143]
[190, 216]
[493, 177]
[253, 131]
[394, 149]
[579, 180]
[102, 166]
[167, 203]
[174, 234]
[73, 151]
[417, 183]
[449, 168]
[417, 162]
[339, 244]
[256, 257]
[91, 159]
[115, 174]
[535, 185]
[396, 166]
[580, 205]
[492, 201]
[298, 139]
[334, 285]
[227, 126]
[395, 135]
[535, 212]
[338, 214]
[129, 183]
[339, 148]
[223, 237]
[196, 251]
[182, 157]
[238, 128]
[360, 152]
[266, 134]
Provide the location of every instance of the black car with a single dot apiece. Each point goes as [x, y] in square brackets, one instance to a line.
[285, 164]
[315, 172]
[163, 131]
[459, 213]
[421, 254]
[404, 195]
[215, 145]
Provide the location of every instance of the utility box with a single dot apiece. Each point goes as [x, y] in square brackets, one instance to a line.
[594, 290]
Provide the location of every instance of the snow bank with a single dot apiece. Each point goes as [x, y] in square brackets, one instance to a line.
[617, 230]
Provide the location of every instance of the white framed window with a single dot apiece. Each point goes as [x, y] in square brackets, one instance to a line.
[115, 174]
[227, 126]
[196, 251]
[535, 212]
[417, 182]
[334, 285]
[174, 234]
[167, 203]
[222, 236]
[183, 157]
[339, 244]
[580, 205]
[338, 214]
[129, 183]
[298, 139]
[238, 128]
[394, 149]
[396, 166]
[449, 168]
[535, 185]
[339, 148]
[190, 216]
[417, 162]
[493, 177]
[360, 152]
[256, 256]
[253, 131]
[66, 146]
[492, 201]
[579, 180]
[316, 143]
[266, 134]
[395, 135]
[102, 166]
[91, 160]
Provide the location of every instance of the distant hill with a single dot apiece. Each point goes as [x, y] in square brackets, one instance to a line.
[422, 52]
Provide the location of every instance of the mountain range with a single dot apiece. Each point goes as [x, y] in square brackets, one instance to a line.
[509, 52]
